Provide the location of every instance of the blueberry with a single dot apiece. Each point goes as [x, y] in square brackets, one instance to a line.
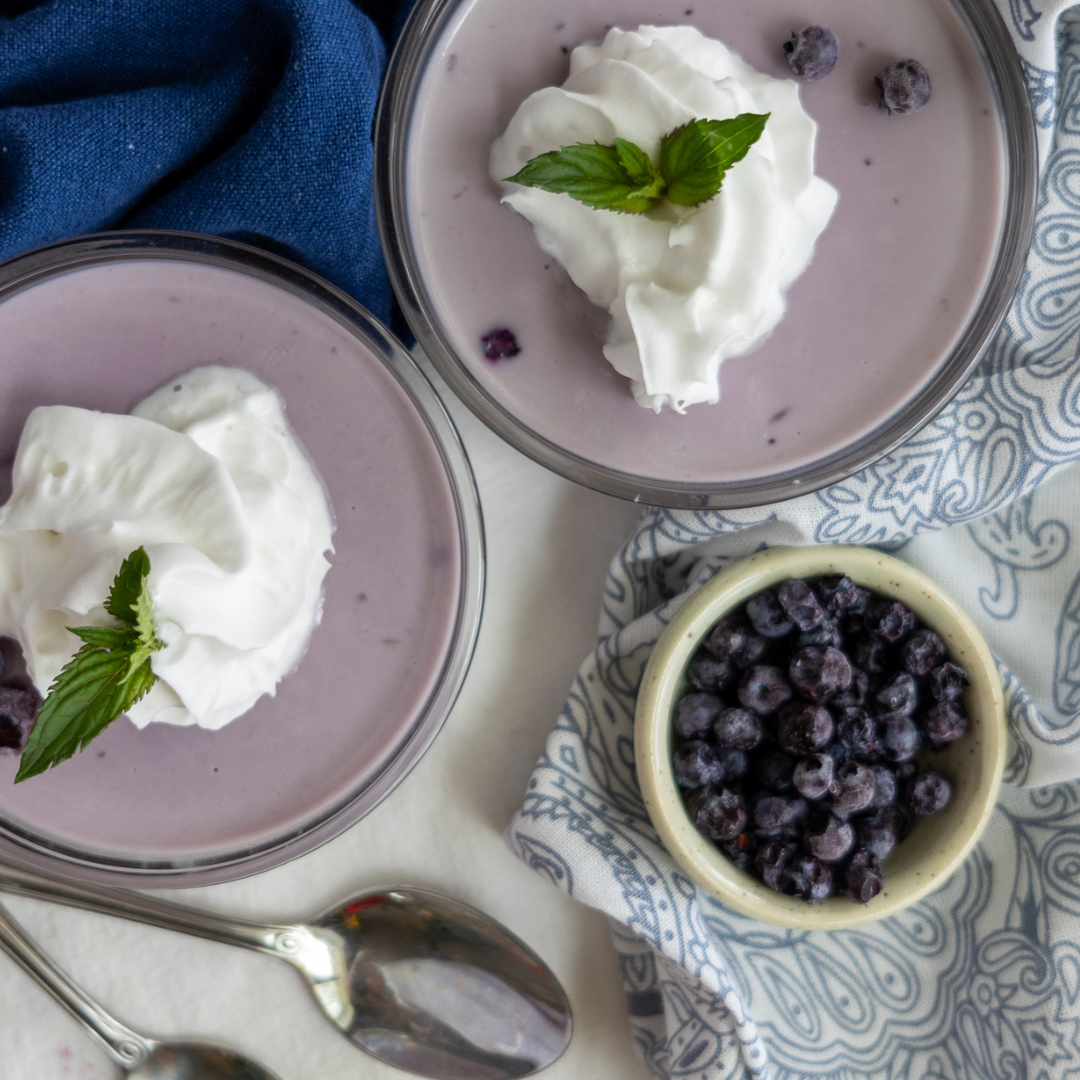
[904, 86]
[776, 770]
[729, 638]
[928, 793]
[858, 732]
[922, 651]
[899, 694]
[945, 721]
[764, 689]
[828, 837]
[772, 813]
[872, 655]
[900, 739]
[500, 345]
[855, 694]
[708, 673]
[853, 788]
[800, 604]
[768, 617]
[948, 682]
[18, 711]
[888, 620]
[813, 52]
[804, 728]
[741, 850]
[881, 833]
[739, 728]
[884, 788]
[719, 815]
[813, 775]
[696, 765]
[819, 673]
[828, 633]
[807, 878]
[734, 764]
[770, 860]
[863, 878]
[695, 714]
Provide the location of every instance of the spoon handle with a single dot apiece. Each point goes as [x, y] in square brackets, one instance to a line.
[263, 937]
[120, 1043]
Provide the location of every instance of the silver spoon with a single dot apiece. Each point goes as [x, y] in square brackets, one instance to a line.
[415, 979]
[140, 1058]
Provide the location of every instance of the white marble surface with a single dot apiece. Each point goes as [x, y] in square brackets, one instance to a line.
[548, 544]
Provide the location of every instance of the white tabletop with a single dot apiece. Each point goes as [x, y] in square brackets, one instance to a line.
[548, 545]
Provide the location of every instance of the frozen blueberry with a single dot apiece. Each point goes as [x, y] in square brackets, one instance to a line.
[828, 837]
[922, 651]
[734, 764]
[764, 689]
[813, 775]
[800, 604]
[945, 721]
[708, 673]
[741, 850]
[884, 788]
[928, 793]
[717, 814]
[807, 878]
[858, 732]
[696, 765]
[812, 52]
[904, 86]
[828, 633]
[770, 860]
[776, 770]
[888, 620]
[906, 770]
[852, 789]
[880, 833]
[863, 878]
[899, 694]
[500, 345]
[729, 638]
[948, 682]
[900, 740]
[855, 694]
[768, 617]
[872, 655]
[18, 711]
[804, 728]
[695, 714]
[819, 673]
[739, 728]
[772, 813]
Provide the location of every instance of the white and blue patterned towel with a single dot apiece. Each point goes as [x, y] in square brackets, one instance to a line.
[982, 980]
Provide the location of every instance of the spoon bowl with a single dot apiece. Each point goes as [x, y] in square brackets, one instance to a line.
[418, 980]
[196, 1061]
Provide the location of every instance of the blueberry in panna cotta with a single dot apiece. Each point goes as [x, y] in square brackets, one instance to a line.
[796, 744]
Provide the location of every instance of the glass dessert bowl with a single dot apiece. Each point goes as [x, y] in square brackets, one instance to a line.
[972, 764]
[100, 322]
[906, 286]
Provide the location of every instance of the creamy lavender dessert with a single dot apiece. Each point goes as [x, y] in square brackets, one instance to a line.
[686, 286]
[207, 477]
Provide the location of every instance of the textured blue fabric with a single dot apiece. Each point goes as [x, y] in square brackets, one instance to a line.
[248, 119]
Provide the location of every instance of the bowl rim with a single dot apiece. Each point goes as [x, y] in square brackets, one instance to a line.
[40, 851]
[418, 42]
[697, 856]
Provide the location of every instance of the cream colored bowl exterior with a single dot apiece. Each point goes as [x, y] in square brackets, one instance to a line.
[974, 763]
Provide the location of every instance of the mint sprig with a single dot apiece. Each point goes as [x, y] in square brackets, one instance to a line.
[693, 161]
[103, 679]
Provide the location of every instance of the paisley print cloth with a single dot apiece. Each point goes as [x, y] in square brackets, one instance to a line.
[982, 980]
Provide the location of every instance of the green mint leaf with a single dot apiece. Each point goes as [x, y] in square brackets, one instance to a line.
[128, 586]
[109, 674]
[695, 157]
[597, 176]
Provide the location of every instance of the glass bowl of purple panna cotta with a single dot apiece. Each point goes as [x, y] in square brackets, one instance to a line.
[876, 730]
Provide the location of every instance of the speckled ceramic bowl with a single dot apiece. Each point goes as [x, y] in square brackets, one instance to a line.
[973, 764]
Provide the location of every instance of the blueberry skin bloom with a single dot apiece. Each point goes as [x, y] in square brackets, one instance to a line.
[904, 86]
[813, 52]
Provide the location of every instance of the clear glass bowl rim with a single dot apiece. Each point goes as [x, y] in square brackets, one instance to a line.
[407, 65]
[41, 852]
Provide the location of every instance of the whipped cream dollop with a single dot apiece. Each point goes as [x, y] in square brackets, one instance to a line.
[686, 287]
[206, 475]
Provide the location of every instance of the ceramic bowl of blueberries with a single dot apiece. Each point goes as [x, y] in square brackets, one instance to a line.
[820, 736]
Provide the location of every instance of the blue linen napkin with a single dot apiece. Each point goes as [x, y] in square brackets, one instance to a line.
[248, 119]
[982, 979]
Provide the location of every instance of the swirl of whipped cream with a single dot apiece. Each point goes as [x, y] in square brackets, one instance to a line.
[208, 478]
[685, 287]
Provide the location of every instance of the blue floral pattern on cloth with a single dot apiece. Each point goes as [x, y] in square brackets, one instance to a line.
[981, 980]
